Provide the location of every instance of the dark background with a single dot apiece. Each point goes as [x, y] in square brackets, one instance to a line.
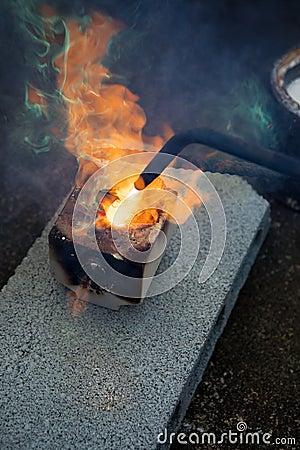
[192, 63]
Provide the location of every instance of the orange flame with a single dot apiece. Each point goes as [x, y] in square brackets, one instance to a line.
[125, 191]
[77, 300]
[104, 121]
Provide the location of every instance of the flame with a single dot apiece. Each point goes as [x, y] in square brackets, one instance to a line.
[77, 300]
[37, 98]
[138, 212]
[104, 121]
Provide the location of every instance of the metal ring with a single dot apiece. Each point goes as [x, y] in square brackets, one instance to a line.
[285, 70]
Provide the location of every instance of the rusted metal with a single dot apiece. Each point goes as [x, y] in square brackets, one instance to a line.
[285, 70]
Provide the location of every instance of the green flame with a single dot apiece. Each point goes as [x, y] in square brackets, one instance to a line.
[251, 115]
[39, 60]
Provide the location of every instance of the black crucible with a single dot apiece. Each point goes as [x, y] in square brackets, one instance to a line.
[66, 267]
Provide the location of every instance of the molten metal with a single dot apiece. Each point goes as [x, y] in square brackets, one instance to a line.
[67, 269]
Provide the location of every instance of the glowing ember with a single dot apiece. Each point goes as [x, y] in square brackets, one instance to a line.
[124, 205]
[133, 192]
[128, 213]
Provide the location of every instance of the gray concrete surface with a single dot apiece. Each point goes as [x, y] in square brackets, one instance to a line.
[108, 379]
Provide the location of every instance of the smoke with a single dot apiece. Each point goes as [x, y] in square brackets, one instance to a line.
[191, 63]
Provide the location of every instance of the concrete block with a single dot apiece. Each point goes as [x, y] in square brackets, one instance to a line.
[114, 380]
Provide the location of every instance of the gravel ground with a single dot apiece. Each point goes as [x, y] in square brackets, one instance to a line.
[253, 375]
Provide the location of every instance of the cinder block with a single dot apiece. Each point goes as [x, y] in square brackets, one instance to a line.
[114, 380]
